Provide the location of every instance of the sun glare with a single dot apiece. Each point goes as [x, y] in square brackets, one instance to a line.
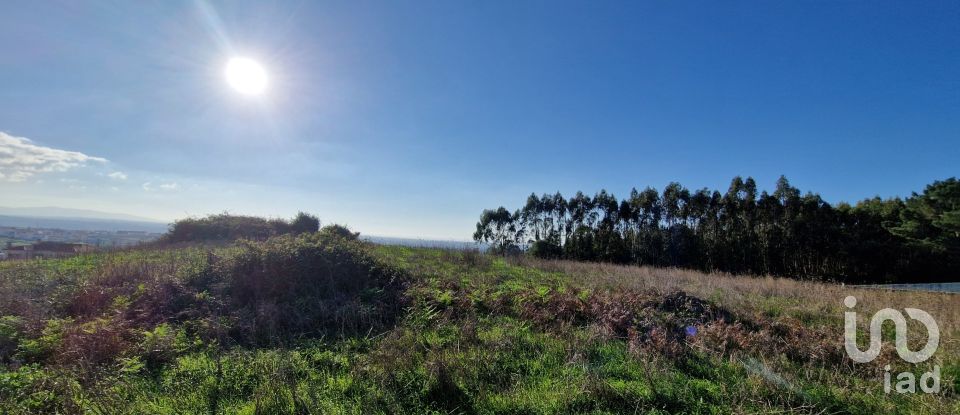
[246, 76]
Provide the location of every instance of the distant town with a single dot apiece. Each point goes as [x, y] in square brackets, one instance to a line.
[26, 243]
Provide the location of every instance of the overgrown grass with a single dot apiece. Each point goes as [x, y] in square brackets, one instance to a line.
[323, 323]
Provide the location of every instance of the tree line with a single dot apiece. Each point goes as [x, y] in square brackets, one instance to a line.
[784, 233]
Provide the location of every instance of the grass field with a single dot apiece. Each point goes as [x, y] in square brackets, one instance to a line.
[327, 324]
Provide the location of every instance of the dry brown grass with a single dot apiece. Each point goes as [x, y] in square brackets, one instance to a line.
[816, 302]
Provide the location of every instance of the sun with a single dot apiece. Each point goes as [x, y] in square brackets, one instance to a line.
[246, 76]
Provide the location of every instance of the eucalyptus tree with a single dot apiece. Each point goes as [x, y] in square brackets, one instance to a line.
[741, 231]
[501, 229]
[579, 208]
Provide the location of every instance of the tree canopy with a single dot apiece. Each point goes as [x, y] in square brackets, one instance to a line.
[784, 233]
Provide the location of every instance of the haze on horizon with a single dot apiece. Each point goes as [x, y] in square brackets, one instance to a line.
[403, 120]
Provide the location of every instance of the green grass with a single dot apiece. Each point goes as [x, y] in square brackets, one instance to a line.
[404, 330]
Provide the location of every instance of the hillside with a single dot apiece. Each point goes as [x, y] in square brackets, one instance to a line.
[325, 323]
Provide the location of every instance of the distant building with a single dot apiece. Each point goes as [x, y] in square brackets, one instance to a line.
[47, 249]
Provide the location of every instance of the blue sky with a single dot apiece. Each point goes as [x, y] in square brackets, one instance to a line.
[407, 118]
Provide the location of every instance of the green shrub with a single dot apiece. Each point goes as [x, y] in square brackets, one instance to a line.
[339, 231]
[226, 227]
[51, 339]
[546, 248]
[162, 344]
[309, 285]
[33, 390]
[304, 223]
[10, 327]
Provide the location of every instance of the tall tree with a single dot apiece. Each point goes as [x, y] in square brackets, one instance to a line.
[740, 231]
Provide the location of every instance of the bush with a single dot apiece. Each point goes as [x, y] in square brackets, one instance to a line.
[226, 227]
[340, 231]
[10, 327]
[31, 389]
[545, 249]
[304, 223]
[155, 305]
[309, 285]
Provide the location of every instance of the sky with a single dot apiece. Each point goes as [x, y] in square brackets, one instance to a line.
[408, 118]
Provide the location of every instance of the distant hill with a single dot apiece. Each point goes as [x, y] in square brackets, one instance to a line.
[77, 219]
[58, 212]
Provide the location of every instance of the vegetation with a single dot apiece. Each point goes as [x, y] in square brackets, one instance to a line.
[324, 323]
[743, 232]
[227, 227]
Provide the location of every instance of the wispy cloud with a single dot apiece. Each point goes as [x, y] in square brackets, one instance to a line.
[21, 159]
[148, 186]
[118, 175]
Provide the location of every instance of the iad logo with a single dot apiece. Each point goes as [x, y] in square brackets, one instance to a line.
[906, 382]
